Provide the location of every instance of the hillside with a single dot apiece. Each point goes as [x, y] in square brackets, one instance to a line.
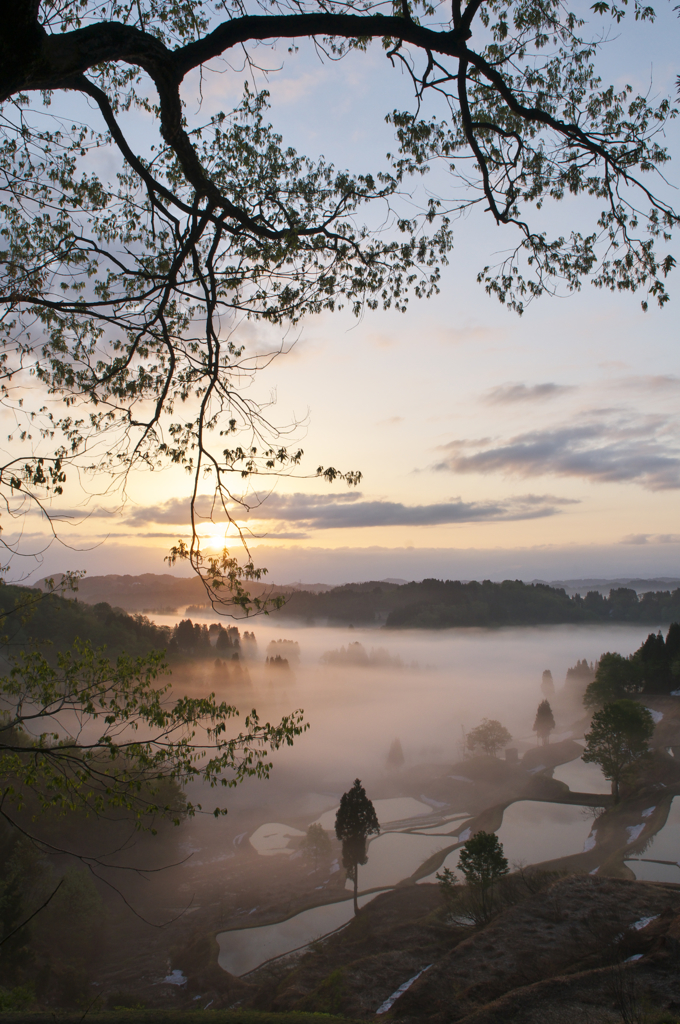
[560, 954]
[53, 620]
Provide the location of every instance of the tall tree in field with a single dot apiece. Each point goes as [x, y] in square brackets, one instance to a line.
[482, 863]
[544, 723]
[489, 737]
[355, 821]
[618, 741]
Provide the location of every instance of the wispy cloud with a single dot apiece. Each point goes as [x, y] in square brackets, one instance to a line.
[350, 511]
[507, 394]
[652, 538]
[608, 450]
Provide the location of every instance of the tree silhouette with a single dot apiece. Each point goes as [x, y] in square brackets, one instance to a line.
[490, 736]
[547, 684]
[544, 723]
[619, 741]
[482, 863]
[355, 821]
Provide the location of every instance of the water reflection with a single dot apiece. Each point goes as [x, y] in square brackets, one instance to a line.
[244, 949]
[396, 855]
[273, 838]
[582, 777]
[664, 846]
[535, 830]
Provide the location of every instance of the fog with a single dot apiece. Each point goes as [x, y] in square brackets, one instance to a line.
[446, 684]
[361, 690]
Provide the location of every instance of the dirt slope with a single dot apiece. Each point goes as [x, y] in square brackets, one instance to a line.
[555, 949]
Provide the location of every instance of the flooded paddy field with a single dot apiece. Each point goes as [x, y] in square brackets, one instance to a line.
[582, 777]
[659, 861]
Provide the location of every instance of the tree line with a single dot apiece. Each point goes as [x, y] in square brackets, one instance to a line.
[439, 604]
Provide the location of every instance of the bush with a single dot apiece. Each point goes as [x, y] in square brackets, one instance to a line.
[13, 999]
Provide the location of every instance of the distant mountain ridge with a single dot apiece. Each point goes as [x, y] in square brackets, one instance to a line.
[640, 586]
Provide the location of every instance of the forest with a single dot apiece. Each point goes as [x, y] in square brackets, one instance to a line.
[439, 604]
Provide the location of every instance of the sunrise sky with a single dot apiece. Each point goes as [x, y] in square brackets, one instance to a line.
[491, 446]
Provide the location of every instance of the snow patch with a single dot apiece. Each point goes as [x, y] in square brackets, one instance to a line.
[590, 841]
[464, 836]
[463, 778]
[595, 870]
[656, 715]
[538, 768]
[650, 810]
[389, 1003]
[175, 978]
[635, 956]
[634, 832]
[643, 922]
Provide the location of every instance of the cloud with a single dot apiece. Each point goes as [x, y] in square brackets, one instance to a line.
[350, 511]
[660, 382]
[652, 538]
[606, 451]
[505, 394]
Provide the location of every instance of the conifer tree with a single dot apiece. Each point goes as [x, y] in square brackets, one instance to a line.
[544, 723]
[355, 821]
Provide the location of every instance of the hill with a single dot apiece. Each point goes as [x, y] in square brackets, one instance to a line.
[31, 615]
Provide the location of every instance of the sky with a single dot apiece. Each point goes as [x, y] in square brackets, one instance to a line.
[491, 446]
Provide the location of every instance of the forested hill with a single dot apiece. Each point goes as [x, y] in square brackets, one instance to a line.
[438, 604]
[53, 620]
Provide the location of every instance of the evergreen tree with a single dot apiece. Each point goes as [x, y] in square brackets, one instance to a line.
[544, 723]
[547, 684]
[355, 821]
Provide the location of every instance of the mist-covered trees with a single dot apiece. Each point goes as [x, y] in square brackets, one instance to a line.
[618, 741]
[544, 722]
[547, 684]
[395, 755]
[489, 737]
[355, 821]
[317, 845]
